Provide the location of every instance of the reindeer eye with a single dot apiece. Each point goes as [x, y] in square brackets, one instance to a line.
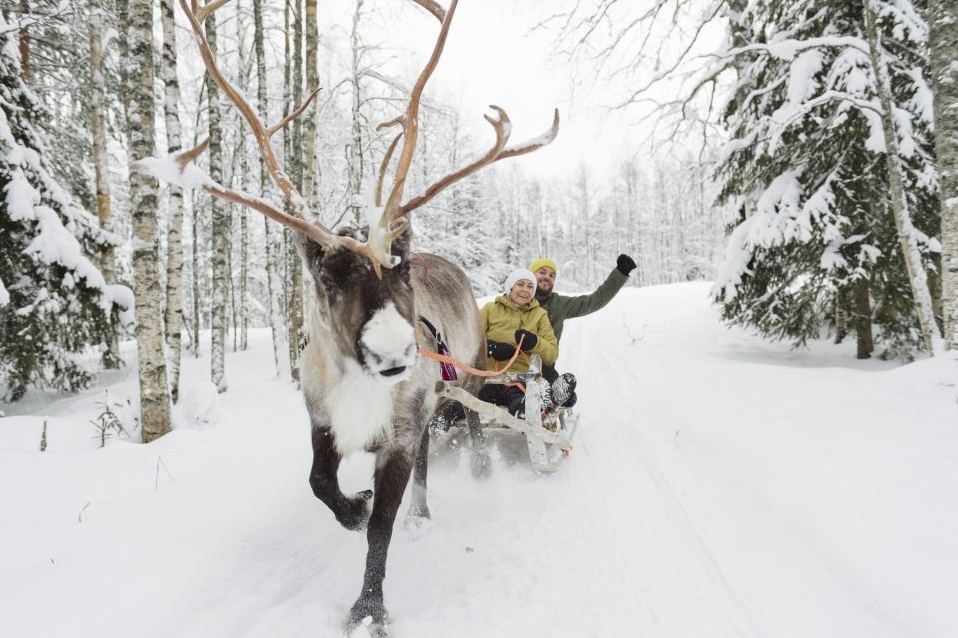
[327, 282]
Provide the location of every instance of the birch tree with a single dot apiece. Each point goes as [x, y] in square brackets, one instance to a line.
[101, 162]
[309, 119]
[294, 159]
[943, 26]
[907, 234]
[273, 307]
[154, 397]
[174, 244]
[221, 228]
[241, 300]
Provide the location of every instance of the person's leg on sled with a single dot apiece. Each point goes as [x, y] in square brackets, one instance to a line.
[561, 387]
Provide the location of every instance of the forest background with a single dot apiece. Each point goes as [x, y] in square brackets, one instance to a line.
[787, 151]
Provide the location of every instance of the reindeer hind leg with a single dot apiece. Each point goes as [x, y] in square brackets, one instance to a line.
[419, 508]
[480, 461]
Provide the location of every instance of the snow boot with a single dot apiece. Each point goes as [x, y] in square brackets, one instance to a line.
[560, 392]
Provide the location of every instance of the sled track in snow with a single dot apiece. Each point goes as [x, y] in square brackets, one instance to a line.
[732, 604]
[739, 614]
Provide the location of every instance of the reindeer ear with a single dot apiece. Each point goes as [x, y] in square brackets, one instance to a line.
[310, 251]
[400, 246]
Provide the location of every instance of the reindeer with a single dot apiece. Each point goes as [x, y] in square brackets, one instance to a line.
[362, 377]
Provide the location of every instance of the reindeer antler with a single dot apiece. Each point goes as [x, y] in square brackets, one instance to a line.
[378, 251]
[396, 212]
[395, 215]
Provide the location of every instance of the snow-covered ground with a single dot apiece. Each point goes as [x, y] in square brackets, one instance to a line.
[720, 486]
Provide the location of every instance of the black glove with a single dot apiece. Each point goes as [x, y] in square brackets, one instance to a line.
[530, 341]
[625, 264]
[500, 351]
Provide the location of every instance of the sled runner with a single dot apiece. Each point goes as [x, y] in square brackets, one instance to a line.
[548, 433]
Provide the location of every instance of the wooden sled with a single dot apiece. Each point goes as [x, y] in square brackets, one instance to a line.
[548, 434]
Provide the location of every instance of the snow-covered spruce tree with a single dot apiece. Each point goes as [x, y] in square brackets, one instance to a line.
[806, 168]
[54, 301]
[55, 41]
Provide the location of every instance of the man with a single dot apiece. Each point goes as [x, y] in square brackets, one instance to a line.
[562, 307]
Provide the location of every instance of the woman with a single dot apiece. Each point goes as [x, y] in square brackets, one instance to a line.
[514, 321]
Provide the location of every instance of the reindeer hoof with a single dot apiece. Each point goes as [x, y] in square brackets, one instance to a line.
[417, 521]
[370, 627]
[370, 616]
[358, 508]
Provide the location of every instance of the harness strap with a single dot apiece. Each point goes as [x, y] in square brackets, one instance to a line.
[448, 370]
[445, 358]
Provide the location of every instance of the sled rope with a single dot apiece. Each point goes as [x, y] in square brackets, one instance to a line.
[442, 358]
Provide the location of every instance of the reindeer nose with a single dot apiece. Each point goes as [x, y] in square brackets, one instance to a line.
[387, 345]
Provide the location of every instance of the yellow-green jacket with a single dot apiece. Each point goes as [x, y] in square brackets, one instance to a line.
[502, 318]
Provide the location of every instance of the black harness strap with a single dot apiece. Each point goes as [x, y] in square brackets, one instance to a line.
[448, 370]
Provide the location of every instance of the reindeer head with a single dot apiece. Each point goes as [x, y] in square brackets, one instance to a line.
[370, 318]
[361, 277]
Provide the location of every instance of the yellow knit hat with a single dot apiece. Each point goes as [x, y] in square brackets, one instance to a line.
[539, 263]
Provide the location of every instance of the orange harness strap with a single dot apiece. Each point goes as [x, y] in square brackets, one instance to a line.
[465, 366]
[468, 368]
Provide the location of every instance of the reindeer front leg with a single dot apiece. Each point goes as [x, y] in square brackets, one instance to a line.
[393, 467]
[351, 511]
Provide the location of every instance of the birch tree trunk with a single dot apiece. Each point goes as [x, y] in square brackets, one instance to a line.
[101, 160]
[899, 204]
[240, 301]
[101, 163]
[243, 301]
[122, 26]
[154, 400]
[220, 229]
[195, 282]
[943, 25]
[295, 161]
[309, 118]
[355, 166]
[174, 243]
[277, 325]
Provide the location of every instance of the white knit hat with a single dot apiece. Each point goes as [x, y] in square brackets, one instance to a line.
[516, 275]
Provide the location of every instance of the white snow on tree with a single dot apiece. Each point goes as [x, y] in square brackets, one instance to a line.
[816, 245]
[54, 301]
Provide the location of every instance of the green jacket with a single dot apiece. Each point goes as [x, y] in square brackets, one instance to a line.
[502, 318]
[562, 307]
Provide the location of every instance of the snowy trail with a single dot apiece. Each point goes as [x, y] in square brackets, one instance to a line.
[665, 441]
[705, 497]
[674, 543]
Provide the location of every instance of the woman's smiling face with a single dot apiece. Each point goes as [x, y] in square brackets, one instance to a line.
[522, 292]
